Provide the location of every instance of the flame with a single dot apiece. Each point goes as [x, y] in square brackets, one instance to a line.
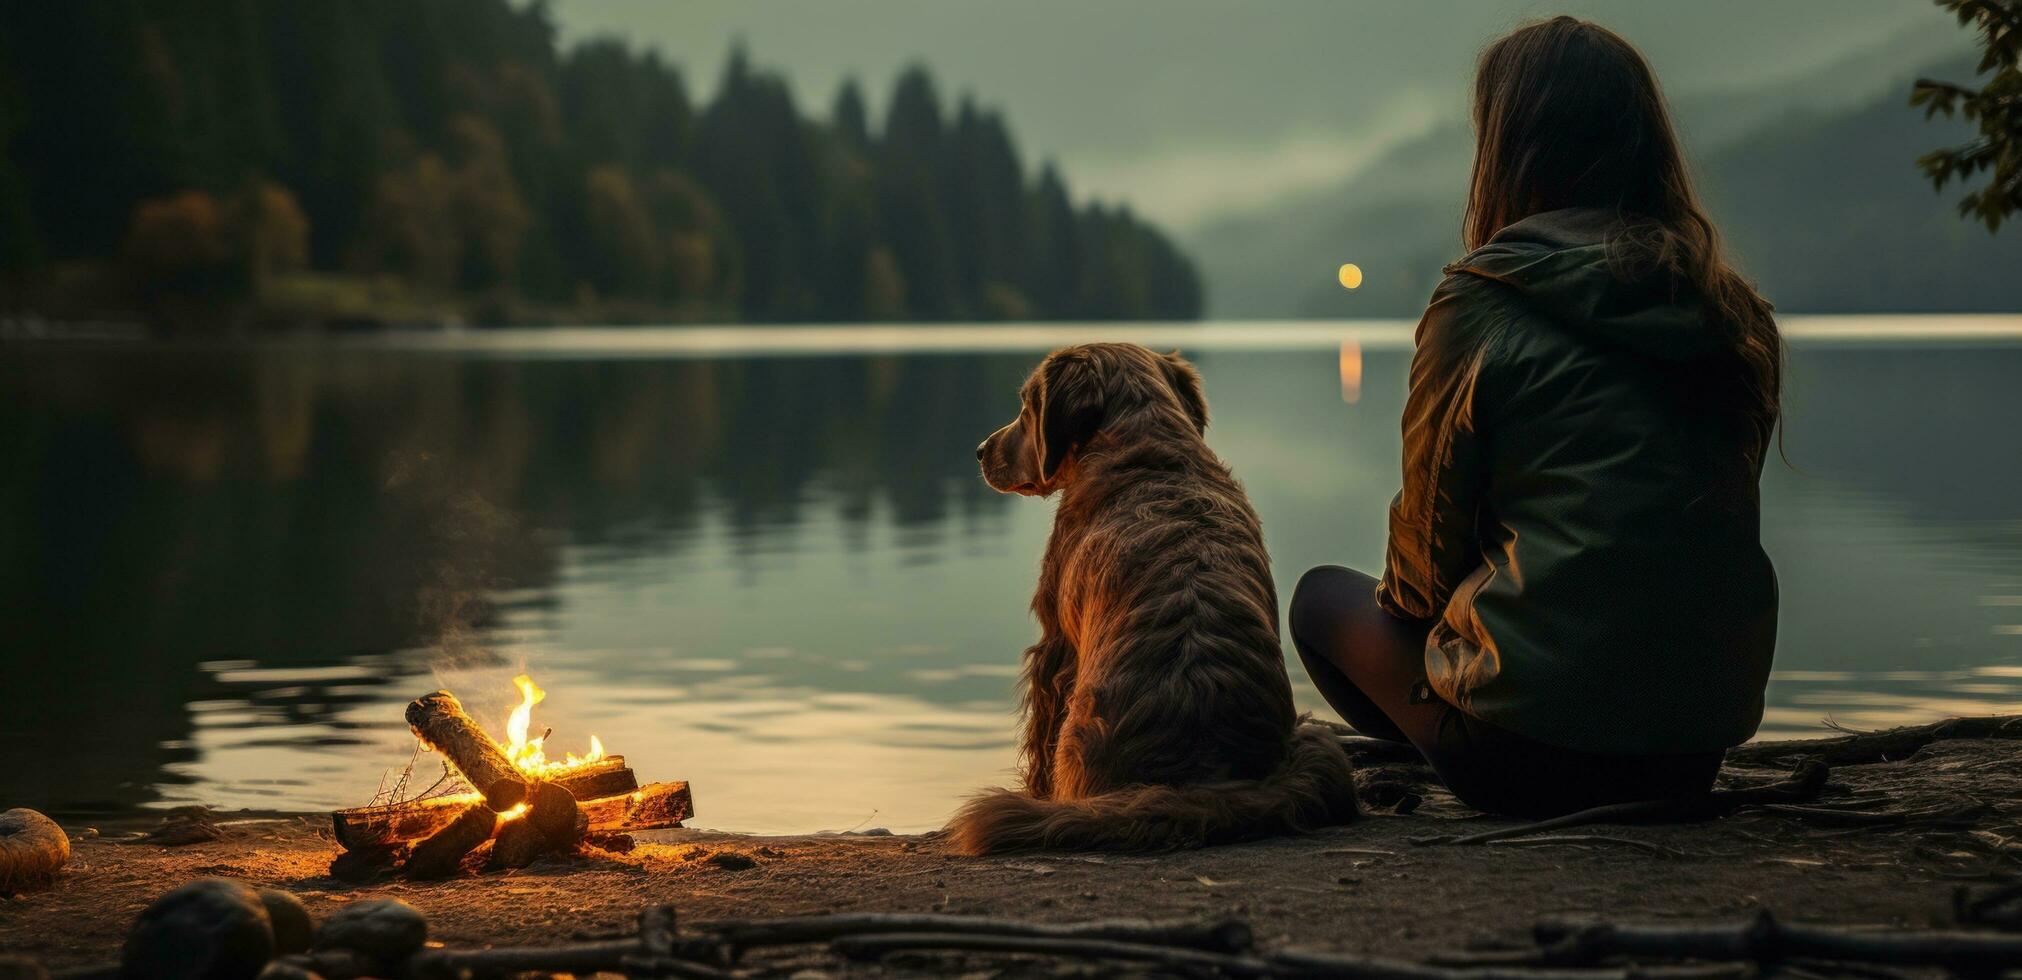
[526, 753]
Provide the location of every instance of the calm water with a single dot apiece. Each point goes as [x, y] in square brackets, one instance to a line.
[772, 570]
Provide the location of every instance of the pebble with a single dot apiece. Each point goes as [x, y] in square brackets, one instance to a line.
[290, 919]
[385, 929]
[209, 929]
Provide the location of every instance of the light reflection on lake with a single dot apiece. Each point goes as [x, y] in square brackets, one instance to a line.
[772, 571]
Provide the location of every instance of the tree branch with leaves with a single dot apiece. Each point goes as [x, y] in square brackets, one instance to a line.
[1996, 107]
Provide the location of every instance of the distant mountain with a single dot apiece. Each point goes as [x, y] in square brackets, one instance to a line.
[1812, 180]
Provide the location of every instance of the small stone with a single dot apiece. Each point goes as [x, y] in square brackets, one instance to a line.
[732, 861]
[385, 929]
[209, 929]
[292, 926]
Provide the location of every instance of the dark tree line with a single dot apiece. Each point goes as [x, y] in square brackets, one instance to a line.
[191, 150]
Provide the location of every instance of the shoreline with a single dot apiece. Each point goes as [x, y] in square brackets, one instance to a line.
[1905, 818]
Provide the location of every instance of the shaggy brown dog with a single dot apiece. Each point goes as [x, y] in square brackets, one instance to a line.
[1157, 712]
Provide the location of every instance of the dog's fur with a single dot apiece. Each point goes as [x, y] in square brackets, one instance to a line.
[1157, 710]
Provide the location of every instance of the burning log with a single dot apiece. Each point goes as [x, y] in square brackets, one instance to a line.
[440, 855]
[439, 720]
[367, 826]
[654, 806]
[552, 823]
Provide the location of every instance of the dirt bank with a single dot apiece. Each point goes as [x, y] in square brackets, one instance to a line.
[1363, 888]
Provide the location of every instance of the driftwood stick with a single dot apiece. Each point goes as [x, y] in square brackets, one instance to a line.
[1765, 939]
[1220, 936]
[1185, 961]
[1948, 816]
[1866, 747]
[1298, 963]
[1802, 786]
[439, 856]
[1641, 845]
[1178, 958]
[439, 720]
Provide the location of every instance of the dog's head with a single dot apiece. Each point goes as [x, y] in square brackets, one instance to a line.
[1084, 394]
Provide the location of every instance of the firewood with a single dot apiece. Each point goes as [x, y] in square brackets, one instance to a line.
[518, 843]
[364, 827]
[654, 806]
[609, 776]
[367, 827]
[440, 855]
[553, 813]
[439, 720]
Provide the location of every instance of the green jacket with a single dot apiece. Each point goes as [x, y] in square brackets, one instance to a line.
[1578, 512]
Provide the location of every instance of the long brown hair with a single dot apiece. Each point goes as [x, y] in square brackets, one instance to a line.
[1568, 114]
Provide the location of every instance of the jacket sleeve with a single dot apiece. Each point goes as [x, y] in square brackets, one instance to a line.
[1433, 536]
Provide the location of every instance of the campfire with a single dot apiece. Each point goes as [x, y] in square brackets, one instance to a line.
[510, 799]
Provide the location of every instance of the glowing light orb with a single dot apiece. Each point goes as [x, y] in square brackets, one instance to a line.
[1351, 276]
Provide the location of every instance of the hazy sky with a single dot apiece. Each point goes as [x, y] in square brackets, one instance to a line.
[1186, 108]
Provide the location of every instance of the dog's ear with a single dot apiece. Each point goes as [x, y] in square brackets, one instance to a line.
[1067, 410]
[1186, 383]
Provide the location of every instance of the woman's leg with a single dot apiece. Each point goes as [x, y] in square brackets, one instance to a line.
[1370, 666]
[1366, 662]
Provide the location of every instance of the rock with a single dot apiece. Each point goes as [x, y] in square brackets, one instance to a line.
[187, 825]
[32, 850]
[386, 929]
[209, 929]
[732, 861]
[293, 929]
[21, 968]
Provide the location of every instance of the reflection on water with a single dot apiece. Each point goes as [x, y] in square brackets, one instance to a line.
[778, 576]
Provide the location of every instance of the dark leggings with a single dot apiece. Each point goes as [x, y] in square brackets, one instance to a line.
[1370, 666]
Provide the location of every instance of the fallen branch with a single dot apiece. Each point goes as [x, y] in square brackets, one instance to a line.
[876, 945]
[1291, 963]
[1220, 936]
[1765, 939]
[1942, 816]
[1883, 746]
[1802, 786]
[1641, 845]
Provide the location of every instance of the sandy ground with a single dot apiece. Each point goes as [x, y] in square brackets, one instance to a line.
[1363, 888]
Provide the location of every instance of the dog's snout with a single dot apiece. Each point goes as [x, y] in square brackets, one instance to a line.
[985, 444]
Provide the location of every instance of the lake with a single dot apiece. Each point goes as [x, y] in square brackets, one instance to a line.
[762, 560]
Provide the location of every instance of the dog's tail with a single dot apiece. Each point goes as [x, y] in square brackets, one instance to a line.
[1313, 787]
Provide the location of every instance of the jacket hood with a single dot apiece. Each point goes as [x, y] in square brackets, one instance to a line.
[1558, 262]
